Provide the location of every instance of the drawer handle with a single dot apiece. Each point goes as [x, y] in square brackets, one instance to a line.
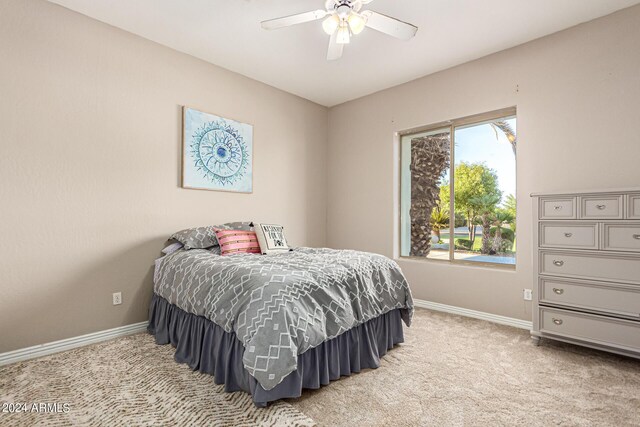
[568, 234]
[557, 208]
[557, 321]
[601, 207]
[558, 263]
[636, 236]
[558, 291]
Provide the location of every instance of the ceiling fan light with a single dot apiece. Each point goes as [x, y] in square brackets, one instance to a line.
[343, 35]
[331, 24]
[357, 23]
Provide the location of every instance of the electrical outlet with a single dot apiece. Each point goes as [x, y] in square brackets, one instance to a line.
[527, 295]
[117, 298]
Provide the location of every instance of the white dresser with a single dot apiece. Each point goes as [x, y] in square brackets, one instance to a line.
[587, 269]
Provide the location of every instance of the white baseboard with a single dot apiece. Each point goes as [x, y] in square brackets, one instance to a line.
[503, 320]
[69, 343]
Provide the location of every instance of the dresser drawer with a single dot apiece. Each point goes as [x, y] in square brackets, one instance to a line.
[633, 206]
[620, 300]
[588, 327]
[621, 237]
[558, 208]
[619, 268]
[601, 207]
[569, 235]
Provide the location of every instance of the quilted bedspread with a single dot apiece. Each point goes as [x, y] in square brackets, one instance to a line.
[281, 305]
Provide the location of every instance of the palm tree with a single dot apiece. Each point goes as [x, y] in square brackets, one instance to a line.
[439, 219]
[508, 131]
[486, 206]
[429, 159]
[501, 217]
[508, 213]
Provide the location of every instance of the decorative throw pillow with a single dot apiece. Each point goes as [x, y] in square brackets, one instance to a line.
[237, 241]
[271, 238]
[205, 237]
[238, 225]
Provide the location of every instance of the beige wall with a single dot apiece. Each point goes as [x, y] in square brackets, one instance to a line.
[578, 99]
[90, 126]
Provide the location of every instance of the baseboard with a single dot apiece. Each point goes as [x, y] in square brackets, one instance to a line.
[503, 320]
[70, 343]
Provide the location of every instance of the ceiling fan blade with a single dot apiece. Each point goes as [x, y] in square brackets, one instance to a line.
[388, 25]
[335, 48]
[300, 18]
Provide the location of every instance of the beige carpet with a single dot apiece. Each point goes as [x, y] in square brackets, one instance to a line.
[455, 371]
[130, 381]
[451, 371]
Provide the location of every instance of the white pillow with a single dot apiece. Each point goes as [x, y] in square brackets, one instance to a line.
[271, 238]
[172, 248]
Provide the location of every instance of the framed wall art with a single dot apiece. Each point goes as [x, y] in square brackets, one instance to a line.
[217, 153]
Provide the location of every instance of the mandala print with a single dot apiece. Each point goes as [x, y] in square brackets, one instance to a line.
[220, 153]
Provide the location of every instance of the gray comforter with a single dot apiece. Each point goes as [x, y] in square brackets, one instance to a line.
[281, 305]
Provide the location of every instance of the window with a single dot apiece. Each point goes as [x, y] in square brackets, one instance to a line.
[465, 213]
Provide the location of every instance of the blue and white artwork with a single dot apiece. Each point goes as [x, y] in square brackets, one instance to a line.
[217, 153]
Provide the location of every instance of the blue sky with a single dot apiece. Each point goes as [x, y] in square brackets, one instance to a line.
[478, 143]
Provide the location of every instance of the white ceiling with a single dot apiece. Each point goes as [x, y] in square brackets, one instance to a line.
[228, 33]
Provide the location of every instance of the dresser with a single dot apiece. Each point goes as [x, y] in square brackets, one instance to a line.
[587, 269]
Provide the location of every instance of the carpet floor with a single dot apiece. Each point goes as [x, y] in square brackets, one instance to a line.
[129, 381]
[457, 371]
[451, 371]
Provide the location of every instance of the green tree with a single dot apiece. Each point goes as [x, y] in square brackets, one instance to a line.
[485, 206]
[444, 193]
[474, 181]
[509, 206]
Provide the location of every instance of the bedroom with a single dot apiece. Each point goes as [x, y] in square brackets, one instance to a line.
[92, 107]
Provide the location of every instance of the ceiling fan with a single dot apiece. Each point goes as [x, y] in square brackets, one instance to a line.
[344, 19]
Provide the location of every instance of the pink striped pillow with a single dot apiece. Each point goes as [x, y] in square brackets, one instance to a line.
[237, 241]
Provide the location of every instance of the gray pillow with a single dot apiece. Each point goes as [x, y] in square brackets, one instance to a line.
[205, 237]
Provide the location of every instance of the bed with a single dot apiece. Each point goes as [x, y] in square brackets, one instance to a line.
[273, 325]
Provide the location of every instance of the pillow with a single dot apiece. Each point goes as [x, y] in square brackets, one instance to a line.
[172, 248]
[205, 237]
[237, 241]
[271, 238]
[196, 238]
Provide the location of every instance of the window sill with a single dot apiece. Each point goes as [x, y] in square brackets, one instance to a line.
[461, 263]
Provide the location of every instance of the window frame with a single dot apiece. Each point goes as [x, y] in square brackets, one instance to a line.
[451, 125]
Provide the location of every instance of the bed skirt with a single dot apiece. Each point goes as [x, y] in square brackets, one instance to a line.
[206, 347]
